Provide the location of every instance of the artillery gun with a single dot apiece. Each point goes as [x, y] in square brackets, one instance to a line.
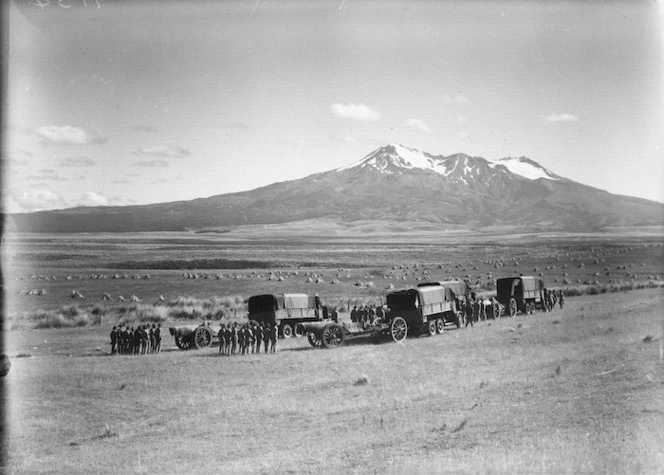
[190, 337]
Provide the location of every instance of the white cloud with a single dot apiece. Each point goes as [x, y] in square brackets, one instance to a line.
[165, 151]
[67, 135]
[418, 124]
[461, 119]
[561, 118]
[455, 98]
[91, 198]
[151, 163]
[35, 201]
[356, 111]
[77, 162]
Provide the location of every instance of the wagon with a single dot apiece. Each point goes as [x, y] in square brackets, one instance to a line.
[188, 337]
[333, 334]
[524, 293]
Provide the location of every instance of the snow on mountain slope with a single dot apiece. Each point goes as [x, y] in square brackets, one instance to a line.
[394, 158]
[527, 168]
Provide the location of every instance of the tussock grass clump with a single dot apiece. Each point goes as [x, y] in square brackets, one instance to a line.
[66, 317]
[215, 308]
[138, 313]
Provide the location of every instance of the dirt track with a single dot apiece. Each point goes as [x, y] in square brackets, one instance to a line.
[574, 390]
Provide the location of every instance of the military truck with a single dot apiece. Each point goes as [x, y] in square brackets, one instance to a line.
[423, 309]
[287, 311]
[520, 294]
[460, 291]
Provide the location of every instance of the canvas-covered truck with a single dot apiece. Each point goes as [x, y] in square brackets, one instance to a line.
[286, 311]
[460, 291]
[423, 309]
[524, 293]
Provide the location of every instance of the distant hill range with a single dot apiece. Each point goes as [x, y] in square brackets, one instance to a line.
[392, 184]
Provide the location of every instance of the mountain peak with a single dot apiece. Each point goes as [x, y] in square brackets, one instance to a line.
[397, 158]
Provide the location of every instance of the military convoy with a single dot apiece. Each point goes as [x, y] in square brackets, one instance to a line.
[425, 309]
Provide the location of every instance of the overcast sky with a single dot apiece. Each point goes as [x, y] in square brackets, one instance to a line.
[123, 103]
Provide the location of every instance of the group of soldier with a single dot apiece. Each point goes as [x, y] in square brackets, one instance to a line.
[365, 315]
[474, 308]
[141, 340]
[247, 338]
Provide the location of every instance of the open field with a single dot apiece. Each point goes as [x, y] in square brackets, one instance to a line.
[42, 271]
[578, 389]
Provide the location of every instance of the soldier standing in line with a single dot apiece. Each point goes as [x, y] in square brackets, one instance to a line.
[561, 298]
[266, 336]
[354, 314]
[249, 339]
[469, 312]
[380, 313]
[151, 330]
[371, 314]
[273, 338]
[157, 338]
[228, 339]
[240, 339]
[234, 338]
[222, 342]
[114, 340]
[258, 334]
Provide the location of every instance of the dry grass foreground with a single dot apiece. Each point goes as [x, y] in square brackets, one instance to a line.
[577, 390]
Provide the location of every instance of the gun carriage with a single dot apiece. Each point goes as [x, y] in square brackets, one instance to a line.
[190, 337]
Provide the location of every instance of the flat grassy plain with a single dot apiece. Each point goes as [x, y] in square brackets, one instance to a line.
[575, 390]
[578, 389]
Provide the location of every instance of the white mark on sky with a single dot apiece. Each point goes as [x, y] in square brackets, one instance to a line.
[255, 7]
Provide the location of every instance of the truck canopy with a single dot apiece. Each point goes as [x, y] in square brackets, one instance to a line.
[415, 298]
[271, 303]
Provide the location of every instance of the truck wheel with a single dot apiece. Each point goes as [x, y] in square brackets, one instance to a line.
[286, 331]
[440, 325]
[299, 331]
[202, 338]
[459, 319]
[513, 308]
[398, 329]
[431, 327]
[332, 336]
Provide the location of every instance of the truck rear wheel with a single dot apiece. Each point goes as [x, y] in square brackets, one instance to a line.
[440, 325]
[286, 331]
[431, 327]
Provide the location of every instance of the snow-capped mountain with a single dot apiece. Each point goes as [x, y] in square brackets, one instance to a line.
[395, 158]
[393, 184]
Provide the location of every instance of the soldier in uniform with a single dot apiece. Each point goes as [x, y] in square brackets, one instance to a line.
[561, 298]
[157, 338]
[258, 334]
[273, 338]
[353, 314]
[222, 341]
[266, 336]
[114, 340]
[469, 312]
[234, 338]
